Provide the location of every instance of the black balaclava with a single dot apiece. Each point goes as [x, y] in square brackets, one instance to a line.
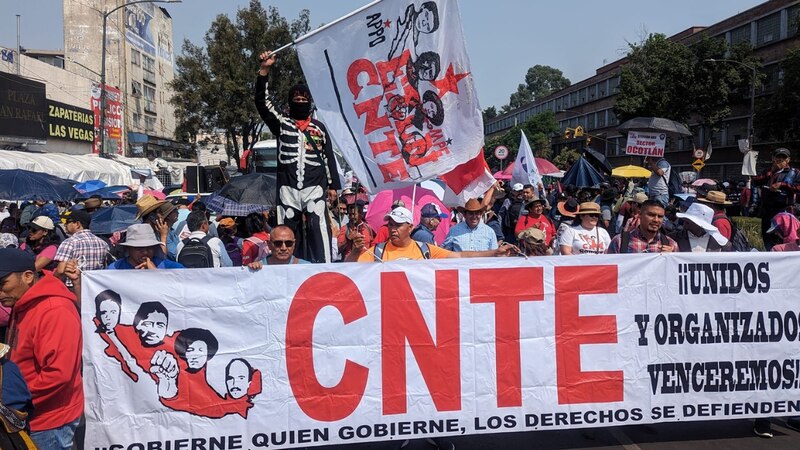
[299, 111]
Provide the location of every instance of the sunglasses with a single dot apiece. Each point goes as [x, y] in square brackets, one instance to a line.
[279, 244]
[596, 216]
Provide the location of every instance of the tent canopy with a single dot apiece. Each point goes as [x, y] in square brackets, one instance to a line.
[73, 167]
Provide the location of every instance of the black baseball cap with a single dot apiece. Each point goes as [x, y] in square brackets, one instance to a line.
[80, 216]
[13, 260]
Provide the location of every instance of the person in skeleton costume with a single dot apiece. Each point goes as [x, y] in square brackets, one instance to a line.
[306, 166]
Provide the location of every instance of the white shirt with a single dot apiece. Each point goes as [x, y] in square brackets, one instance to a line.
[698, 244]
[583, 241]
[221, 258]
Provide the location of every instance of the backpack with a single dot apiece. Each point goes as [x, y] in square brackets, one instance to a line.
[234, 250]
[423, 248]
[738, 240]
[625, 239]
[263, 248]
[196, 253]
[674, 184]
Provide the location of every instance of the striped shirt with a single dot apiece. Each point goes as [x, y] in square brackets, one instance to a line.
[462, 238]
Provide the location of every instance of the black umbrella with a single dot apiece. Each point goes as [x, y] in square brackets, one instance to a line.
[22, 185]
[253, 189]
[655, 124]
[582, 174]
[598, 158]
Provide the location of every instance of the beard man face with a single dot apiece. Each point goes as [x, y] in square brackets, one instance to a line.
[152, 329]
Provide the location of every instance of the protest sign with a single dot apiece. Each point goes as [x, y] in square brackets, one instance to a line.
[295, 356]
[646, 144]
[392, 83]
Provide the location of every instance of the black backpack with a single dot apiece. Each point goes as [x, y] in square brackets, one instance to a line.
[674, 184]
[196, 253]
[738, 240]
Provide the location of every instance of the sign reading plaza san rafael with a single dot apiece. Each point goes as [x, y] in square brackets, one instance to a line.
[296, 356]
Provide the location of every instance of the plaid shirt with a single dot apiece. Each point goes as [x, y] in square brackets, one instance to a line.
[637, 243]
[88, 249]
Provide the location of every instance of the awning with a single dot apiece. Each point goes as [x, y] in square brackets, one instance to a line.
[74, 167]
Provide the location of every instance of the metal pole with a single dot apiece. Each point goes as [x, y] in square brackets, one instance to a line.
[19, 48]
[103, 89]
[752, 124]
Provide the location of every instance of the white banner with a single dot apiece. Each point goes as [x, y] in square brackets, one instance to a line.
[392, 83]
[525, 170]
[296, 356]
[646, 144]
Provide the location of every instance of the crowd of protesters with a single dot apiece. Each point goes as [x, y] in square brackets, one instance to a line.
[47, 246]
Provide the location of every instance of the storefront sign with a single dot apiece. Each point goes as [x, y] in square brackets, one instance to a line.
[69, 122]
[23, 109]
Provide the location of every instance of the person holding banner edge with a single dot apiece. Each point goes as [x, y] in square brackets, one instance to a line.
[307, 174]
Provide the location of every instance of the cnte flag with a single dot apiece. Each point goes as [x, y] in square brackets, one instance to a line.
[525, 169]
[392, 83]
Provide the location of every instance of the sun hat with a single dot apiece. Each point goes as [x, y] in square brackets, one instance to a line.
[588, 208]
[568, 208]
[147, 204]
[140, 235]
[702, 216]
[400, 215]
[532, 236]
[639, 197]
[42, 223]
[472, 205]
[536, 200]
[716, 197]
[432, 210]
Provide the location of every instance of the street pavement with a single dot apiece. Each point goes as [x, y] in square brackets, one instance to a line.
[716, 435]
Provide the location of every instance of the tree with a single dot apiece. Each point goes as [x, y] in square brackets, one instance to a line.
[664, 78]
[489, 113]
[778, 115]
[213, 86]
[538, 130]
[566, 158]
[540, 81]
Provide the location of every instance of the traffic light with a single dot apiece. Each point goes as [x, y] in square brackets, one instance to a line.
[578, 131]
[568, 133]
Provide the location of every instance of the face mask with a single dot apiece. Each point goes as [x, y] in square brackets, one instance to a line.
[299, 111]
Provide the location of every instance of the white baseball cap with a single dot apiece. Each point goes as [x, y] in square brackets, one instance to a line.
[43, 223]
[517, 187]
[400, 215]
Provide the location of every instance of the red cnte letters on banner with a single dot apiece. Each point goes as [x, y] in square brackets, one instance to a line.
[440, 361]
[507, 288]
[317, 401]
[574, 330]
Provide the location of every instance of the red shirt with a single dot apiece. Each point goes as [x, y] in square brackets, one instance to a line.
[345, 245]
[541, 222]
[723, 224]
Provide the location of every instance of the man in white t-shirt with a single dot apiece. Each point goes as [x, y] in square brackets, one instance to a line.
[586, 237]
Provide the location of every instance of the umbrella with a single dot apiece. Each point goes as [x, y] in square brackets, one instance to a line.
[89, 186]
[704, 181]
[656, 124]
[18, 184]
[254, 189]
[582, 174]
[545, 168]
[107, 193]
[598, 158]
[116, 218]
[227, 207]
[630, 172]
[382, 204]
[157, 194]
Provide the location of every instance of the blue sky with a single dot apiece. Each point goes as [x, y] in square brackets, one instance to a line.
[504, 37]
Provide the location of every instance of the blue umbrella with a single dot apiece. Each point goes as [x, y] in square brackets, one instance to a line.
[107, 193]
[227, 207]
[582, 174]
[89, 186]
[115, 218]
[21, 185]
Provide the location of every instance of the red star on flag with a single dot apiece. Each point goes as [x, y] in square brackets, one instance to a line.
[387, 24]
[450, 81]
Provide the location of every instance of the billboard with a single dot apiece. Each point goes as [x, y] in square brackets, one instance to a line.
[139, 27]
[23, 109]
[69, 122]
[113, 119]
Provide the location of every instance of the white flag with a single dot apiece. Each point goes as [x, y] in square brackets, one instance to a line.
[525, 170]
[392, 84]
[708, 151]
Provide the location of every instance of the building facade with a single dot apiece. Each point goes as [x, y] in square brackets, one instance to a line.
[139, 64]
[590, 102]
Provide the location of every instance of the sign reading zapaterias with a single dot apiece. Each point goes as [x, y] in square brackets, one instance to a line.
[69, 122]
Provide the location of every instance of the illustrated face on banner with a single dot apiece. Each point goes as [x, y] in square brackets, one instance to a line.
[237, 378]
[197, 354]
[152, 328]
[427, 20]
[109, 314]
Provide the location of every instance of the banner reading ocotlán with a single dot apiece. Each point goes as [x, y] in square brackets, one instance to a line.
[392, 83]
[309, 355]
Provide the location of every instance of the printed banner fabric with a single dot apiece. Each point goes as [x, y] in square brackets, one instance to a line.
[295, 356]
[113, 119]
[392, 83]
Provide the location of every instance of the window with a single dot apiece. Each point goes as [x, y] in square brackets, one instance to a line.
[613, 85]
[136, 57]
[573, 99]
[148, 64]
[136, 89]
[601, 119]
[149, 124]
[768, 29]
[771, 78]
[590, 122]
[612, 118]
[794, 21]
[741, 34]
[149, 99]
[137, 120]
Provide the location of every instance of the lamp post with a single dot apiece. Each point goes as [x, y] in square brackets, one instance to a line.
[750, 124]
[103, 67]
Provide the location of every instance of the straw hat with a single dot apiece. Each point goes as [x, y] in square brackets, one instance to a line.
[147, 204]
[588, 208]
[472, 205]
[715, 197]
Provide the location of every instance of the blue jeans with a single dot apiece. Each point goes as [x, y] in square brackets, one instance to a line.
[57, 438]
